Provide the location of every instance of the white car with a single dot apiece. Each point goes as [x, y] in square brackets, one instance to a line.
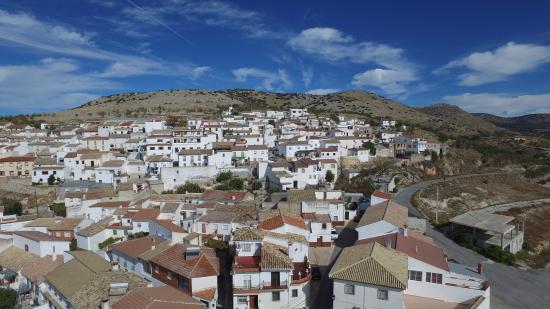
[333, 234]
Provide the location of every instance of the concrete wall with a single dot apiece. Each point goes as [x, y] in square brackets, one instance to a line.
[365, 296]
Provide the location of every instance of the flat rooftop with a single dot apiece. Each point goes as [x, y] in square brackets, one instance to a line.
[482, 220]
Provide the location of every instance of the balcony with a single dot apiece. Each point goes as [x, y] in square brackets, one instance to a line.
[256, 288]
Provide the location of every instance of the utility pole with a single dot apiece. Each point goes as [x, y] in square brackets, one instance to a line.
[437, 205]
[35, 202]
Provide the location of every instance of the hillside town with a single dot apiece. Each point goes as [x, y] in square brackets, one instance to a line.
[251, 209]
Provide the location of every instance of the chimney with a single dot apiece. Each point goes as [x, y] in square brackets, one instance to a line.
[54, 257]
[479, 268]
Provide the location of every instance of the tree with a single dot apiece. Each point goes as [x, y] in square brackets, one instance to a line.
[12, 207]
[371, 147]
[236, 184]
[224, 176]
[329, 176]
[51, 179]
[335, 118]
[189, 187]
[175, 121]
[59, 209]
[8, 298]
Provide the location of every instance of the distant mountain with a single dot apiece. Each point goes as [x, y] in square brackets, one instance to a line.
[455, 116]
[204, 103]
[534, 123]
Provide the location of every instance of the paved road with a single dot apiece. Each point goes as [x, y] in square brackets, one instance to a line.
[510, 287]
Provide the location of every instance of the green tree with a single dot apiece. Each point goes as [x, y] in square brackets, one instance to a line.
[59, 209]
[329, 176]
[236, 184]
[224, 176]
[74, 245]
[8, 298]
[370, 146]
[189, 187]
[51, 179]
[12, 207]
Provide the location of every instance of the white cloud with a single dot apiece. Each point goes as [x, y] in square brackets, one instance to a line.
[49, 85]
[492, 66]
[25, 30]
[392, 82]
[501, 104]
[393, 75]
[269, 80]
[198, 72]
[207, 12]
[322, 91]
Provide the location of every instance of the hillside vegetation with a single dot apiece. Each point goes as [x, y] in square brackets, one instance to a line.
[201, 102]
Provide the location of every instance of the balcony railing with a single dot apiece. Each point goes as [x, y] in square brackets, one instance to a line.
[283, 284]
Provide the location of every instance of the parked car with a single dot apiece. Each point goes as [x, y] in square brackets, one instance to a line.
[333, 234]
[315, 273]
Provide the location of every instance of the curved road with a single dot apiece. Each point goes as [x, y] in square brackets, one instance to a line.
[510, 287]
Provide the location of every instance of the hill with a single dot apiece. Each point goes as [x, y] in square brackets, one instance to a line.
[458, 117]
[534, 123]
[190, 103]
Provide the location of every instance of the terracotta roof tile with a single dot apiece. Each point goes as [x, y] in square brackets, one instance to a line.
[173, 259]
[413, 247]
[164, 297]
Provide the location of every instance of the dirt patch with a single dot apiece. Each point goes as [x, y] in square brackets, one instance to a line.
[461, 195]
[536, 251]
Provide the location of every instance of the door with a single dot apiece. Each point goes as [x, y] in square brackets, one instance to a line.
[347, 215]
[275, 278]
[203, 228]
[253, 301]
[295, 184]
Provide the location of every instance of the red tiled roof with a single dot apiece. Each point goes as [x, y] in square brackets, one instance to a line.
[413, 247]
[280, 220]
[207, 294]
[169, 225]
[111, 204]
[18, 159]
[173, 259]
[133, 248]
[224, 195]
[144, 214]
[163, 297]
[381, 194]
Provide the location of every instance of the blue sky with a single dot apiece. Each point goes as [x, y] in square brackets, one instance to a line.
[484, 56]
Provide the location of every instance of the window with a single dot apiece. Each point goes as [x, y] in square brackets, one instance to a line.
[247, 281]
[114, 232]
[157, 270]
[246, 247]
[324, 226]
[415, 275]
[242, 300]
[434, 278]
[169, 275]
[349, 289]
[382, 294]
[275, 296]
[294, 292]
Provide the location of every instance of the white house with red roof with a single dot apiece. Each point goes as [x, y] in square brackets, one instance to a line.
[378, 197]
[431, 276]
[270, 270]
[282, 224]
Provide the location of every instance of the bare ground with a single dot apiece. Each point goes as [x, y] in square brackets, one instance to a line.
[462, 195]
